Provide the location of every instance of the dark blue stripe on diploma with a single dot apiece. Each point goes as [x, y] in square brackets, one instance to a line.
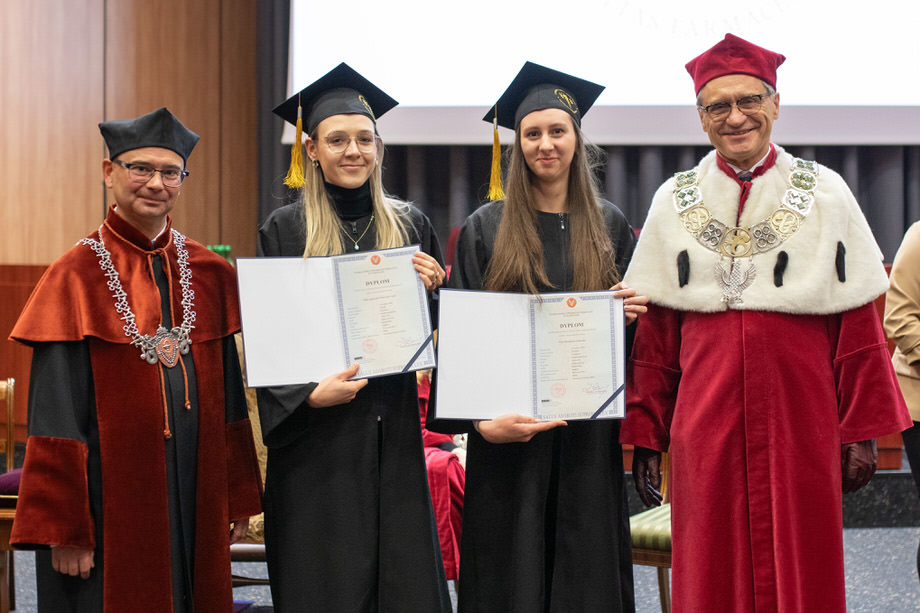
[608, 401]
[419, 352]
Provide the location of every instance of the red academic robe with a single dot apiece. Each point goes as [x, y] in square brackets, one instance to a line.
[753, 407]
[446, 481]
[753, 397]
[73, 304]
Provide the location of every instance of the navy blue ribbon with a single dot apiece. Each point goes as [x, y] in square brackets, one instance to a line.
[608, 401]
[419, 352]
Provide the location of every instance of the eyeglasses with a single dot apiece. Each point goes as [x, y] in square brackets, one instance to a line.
[142, 173]
[338, 142]
[746, 104]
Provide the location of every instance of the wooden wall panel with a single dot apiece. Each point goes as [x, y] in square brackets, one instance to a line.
[50, 152]
[239, 142]
[16, 283]
[167, 53]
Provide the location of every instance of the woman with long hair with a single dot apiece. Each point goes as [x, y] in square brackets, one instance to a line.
[545, 526]
[348, 523]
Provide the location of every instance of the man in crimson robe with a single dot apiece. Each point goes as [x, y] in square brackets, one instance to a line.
[761, 365]
[140, 467]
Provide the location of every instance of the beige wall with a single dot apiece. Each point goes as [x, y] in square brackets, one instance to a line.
[65, 66]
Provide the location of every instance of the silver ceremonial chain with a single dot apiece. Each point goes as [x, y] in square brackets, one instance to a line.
[165, 345]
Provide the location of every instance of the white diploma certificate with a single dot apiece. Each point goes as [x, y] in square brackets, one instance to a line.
[554, 356]
[307, 318]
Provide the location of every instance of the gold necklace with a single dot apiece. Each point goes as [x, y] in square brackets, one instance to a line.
[354, 229]
[738, 244]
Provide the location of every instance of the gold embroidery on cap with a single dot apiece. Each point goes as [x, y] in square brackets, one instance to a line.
[367, 106]
[566, 99]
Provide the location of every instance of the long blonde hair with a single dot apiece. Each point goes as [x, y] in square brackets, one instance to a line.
[324, 229]
[517, 261]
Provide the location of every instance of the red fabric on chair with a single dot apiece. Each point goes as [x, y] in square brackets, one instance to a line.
[446, 480]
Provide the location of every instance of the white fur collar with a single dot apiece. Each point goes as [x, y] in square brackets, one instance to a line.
[810, 282]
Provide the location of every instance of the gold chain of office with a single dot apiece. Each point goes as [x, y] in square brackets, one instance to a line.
[738, 241]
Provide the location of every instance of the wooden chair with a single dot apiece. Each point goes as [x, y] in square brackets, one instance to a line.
[7, 505]
[650, 532]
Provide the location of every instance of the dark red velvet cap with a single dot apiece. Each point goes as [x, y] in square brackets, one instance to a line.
[734, 55]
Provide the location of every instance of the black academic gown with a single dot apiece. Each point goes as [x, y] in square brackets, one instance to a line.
[545, 523]
[348, 519]
[62, 404]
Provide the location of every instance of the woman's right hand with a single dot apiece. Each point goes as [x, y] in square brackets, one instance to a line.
[336, 389]
[514, 428]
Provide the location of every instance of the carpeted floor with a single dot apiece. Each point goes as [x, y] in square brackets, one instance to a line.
[881, 575]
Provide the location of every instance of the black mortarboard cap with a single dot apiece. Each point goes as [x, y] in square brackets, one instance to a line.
[159, 128]
[536, 88]
[340, 91]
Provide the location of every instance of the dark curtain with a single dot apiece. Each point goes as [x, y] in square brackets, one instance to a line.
[272, 63]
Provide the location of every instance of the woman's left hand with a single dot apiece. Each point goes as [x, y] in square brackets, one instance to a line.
[632, 304]
[429, 271]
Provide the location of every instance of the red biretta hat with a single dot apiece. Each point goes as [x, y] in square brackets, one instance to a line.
[734, 55]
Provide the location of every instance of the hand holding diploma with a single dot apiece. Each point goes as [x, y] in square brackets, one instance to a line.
[514, 428]
[633, 305]
[336, 389]
[429, 271]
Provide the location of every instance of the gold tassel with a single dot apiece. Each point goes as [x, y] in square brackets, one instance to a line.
[495, 181]
[295, 176]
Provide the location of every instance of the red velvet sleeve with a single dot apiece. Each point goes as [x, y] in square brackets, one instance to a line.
[429, 438]
[869, 401]
[652, 377]
[245, 482]
[53, 506]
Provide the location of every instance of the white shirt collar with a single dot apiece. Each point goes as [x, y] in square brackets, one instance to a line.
[752, 168]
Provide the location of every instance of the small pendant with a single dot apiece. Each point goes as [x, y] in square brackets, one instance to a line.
[356, 247]
[737, 278]
[167, 347]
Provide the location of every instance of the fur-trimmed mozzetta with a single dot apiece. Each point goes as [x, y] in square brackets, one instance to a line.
[810, 282]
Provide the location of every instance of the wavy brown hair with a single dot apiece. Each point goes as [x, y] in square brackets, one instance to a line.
[517, 261]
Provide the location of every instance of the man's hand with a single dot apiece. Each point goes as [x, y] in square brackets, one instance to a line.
[72, 562]
[646, 470]
[336, 389]
[238, 530]
[858, 462]
[514, 428]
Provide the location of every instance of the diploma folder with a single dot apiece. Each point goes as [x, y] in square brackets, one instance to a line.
[501, 353]
[304, 319]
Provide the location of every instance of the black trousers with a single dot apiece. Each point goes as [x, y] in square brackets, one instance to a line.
[911, 438]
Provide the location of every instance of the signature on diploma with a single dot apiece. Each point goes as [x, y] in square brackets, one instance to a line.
[596, 389]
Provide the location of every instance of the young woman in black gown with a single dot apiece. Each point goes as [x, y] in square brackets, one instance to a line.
[545, 525]
[348, 522]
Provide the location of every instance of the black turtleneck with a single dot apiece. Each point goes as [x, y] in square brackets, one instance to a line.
[351, 204]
